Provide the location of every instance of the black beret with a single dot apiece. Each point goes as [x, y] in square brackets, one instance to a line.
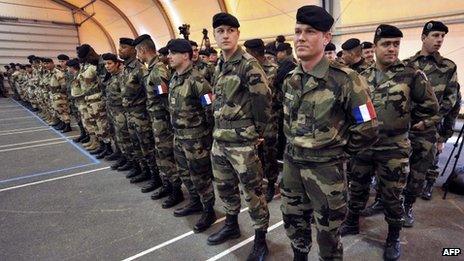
[225, 19]
[110, 57]
[83, 50]
[367, 45]
[212, 50]
[283, 47]
[179, 46]
[22, 67]
[434, 26]
[204, 52]
[140, 39]
[63, 57]
[18, 64]
[254, 44]
[339, 54]
[330, 47]
[351, 44]
[270, 51]
[72, 63]
[6, 67]
[12, 64]
[36, 58]
[164, 51]
[387, 31]
[280, 39]
[47, 60]
[193, 43]
[126, 41]
[315, 16]
[30, 57]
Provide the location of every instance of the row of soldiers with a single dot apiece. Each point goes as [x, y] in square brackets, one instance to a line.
[176, 119]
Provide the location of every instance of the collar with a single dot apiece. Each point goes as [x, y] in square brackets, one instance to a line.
[237, 56]
[319, 71]
[436, 56]
[153, 61]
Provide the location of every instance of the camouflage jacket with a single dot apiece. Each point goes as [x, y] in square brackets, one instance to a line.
[88, 82]
[270, 69]
[441, 73]
[57, 81]
[360, 66]
[157, 84]
[393, 95]
[242, 99]
[319, 113]
[190, 98]
[113, 90]
[132, 87]
[205, 69]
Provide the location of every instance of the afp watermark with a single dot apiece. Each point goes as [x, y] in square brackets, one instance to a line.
[449, 251]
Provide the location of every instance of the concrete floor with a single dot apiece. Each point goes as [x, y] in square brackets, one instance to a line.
[59, 203]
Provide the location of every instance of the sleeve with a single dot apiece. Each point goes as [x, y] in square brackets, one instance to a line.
[446, 128]
[205, 94]
[260, 96]
[363, 131]
[422, 94]
[449, 98]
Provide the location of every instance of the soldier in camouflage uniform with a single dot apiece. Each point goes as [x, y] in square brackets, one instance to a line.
[134, 100]
[48, 78]
[321, 125]
[190, 98]
[442, 74]
[64, 101]
[368, 52]
[205, 69]
[157, 105]
[330, 52]
[394, 86]
[352, 55]
[241, 111]
[268, 149]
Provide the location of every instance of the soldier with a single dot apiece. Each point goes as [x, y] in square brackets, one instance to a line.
[268, 149]
[48, 92]
[352, 55]
[213, 56]
[270, 54]
[321, 126]
[206, 69]
[394, 87]
[339, 58]
[368, 52]
[330, 51]
[442, 74]
[73, 69]
[60, 96]
[204, 55]
[156, 84]
[134, 99]
[241, 112]
[190, 97]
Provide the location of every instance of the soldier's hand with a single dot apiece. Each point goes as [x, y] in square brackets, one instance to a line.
[440, 146]
[419, 126]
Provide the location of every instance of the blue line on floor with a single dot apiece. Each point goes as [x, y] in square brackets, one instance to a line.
[93, 159]
[46, 173]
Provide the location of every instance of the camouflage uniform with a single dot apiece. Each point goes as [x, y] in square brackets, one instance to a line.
[58, 96]
[268, 154]
[206, 69]
[360, 66]
[70, 79]
[50, 116]
[241, 111]
[87, 88]
[192, 122]
[138, 121]
[320, 129]
[442, 75]
[393, 93]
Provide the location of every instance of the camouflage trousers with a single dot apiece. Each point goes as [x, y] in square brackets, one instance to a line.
[61, 107]
[46, 107]
[73, 111]
[239, 163]
[194, 165]
[309, 188]
[422, 158]
[88, 122]
[96, 109]
[121, 131]
[392, 168]
[268, 152]
[141, 135]
[164, 149]
[32, 97]
[433, 173]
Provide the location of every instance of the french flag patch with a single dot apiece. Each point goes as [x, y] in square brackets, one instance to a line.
[364, 113]
[206, 99]
[161, 89]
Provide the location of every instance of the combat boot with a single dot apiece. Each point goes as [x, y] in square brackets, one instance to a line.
[83, 133]
[115, 155]
[85, 139]
[299, 255]
[121, 161]
[107, 151]
[155, 181]
[66, 128]
[374, 209]
[206, 220]
[129, 165]
[99, 149]
[134, 171]
[175, 197]
[59, 126]
[90, 142]
[270, 192]
[164, 191]
[230, 230]
[260, 250]
[143, 176]
[408, 213]
[350, 225]
[392, 246]
[93, 146]
[194, 206]
[427, 192]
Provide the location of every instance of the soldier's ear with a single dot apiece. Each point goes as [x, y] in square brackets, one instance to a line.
[423, 37]
[327, 37]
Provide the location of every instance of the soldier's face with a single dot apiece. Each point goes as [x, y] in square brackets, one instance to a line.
[433, 41]
[72, 70]
[309, 42]
[331, 55]
[226, 37]
[368, 54]
[270, 57]
[111, 66]
[62, 63]
[49, 66]
[195, 53]
[126, 51]
[213, 58]
[204, 58]
[29, 69]
[387, 50]
[176, 60]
